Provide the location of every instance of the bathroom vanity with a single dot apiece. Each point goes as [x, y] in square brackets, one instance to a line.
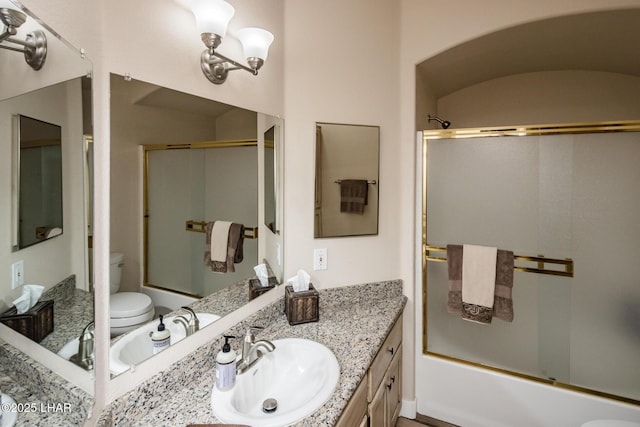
[377, 400]
[357, 323]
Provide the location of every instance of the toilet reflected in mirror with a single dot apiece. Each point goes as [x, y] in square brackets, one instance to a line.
[127, 310]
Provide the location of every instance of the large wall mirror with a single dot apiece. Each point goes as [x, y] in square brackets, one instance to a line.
[346, 193]
[45, 123]
[197, 162]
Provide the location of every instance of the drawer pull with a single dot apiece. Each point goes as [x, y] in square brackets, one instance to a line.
[391, 350]
[393, 380]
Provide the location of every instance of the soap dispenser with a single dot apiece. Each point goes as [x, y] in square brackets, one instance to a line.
[161, 338]
[226, 366]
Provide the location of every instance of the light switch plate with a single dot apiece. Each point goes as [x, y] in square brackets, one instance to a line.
[320, 259]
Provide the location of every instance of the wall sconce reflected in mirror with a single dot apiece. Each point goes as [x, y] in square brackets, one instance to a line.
[212, 19]
[34, 46]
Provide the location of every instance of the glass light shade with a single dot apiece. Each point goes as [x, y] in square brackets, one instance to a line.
[6, 4]
[212, 16]
[255, 42]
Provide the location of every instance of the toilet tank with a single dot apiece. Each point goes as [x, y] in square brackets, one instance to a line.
[116, 262]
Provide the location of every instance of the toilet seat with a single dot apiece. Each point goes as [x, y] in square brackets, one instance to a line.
[610, 423]
[128, 310]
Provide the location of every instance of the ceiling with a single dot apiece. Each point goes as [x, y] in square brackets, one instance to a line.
[601, 41]
[162, 97]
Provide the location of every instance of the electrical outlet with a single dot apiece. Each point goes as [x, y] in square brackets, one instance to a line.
[320, 259]
[17, 274]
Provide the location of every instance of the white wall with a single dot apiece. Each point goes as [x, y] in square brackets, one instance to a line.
[463, 395]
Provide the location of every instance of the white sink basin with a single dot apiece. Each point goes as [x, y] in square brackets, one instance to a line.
[69, 349]
[299, 374]
[135, 346]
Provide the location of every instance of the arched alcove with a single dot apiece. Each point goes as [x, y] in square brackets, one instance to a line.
[580, 67]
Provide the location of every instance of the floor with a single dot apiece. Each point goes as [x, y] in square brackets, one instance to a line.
[421, 421]
[405, 422]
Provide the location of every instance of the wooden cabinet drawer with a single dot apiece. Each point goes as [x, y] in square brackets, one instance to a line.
[356, 409]
[383, 358]
[393, 382]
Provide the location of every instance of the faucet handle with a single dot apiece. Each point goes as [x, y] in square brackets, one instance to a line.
[251, 331]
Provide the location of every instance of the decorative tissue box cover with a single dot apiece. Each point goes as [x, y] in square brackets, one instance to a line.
[301, 307]
[36, 323]
[256, 289]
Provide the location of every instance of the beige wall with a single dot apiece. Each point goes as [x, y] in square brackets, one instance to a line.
[546, 97]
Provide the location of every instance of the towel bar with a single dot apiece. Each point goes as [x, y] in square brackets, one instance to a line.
[201, 227]
[369, 181]
[541, 260]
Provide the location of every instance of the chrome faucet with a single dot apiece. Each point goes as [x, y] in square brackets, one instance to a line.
[252, 350]
[192, 325]
[85, 355]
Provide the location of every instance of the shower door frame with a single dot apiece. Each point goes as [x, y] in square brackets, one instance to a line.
[483, 132]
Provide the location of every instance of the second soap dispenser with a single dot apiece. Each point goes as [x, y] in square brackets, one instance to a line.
[161, 338]
[226, 366]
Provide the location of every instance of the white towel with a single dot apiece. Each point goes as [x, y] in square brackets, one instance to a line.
[478, 275]
[220, 240]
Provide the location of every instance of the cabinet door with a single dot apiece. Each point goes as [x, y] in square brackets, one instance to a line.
[393, 386]
[377, 408]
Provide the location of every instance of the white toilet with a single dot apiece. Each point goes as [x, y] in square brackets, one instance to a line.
[127, 310]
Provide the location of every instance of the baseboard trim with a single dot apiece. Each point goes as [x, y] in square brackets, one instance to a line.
[409, 409]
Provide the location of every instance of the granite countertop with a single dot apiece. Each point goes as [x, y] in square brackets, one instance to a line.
[72, 311]
[44, 398]
[354, 321]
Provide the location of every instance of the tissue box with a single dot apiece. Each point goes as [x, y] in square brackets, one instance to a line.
[256, 289]
[36, 323]
[301, 307]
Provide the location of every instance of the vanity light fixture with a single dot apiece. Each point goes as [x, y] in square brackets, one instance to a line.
[34, 46]
[212, 19]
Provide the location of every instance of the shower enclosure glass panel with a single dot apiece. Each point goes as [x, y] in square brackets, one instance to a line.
[206, 184]
[562, 196]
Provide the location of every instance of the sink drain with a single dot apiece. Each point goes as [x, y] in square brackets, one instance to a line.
[269, 405]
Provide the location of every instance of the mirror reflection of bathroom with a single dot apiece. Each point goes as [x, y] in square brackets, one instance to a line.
[346, 193]
[45, 115]
[196, 162]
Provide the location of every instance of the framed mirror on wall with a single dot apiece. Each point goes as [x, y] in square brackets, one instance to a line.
[38, 204]
[346, 180]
